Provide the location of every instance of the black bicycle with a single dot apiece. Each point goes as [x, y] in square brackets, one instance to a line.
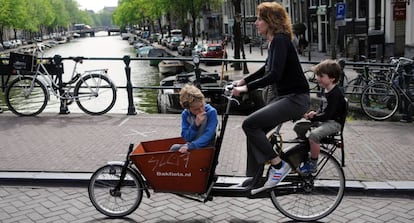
[381, 100]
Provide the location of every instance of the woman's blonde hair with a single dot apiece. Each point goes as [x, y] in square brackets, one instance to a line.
[190, 94]
[275, 15]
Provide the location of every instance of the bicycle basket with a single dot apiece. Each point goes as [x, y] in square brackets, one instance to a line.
[22, 61]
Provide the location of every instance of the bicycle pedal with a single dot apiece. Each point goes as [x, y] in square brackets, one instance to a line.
[258, 190]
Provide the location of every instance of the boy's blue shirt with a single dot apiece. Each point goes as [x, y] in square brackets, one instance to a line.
[189, 130]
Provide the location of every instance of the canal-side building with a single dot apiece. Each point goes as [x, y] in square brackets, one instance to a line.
[376, 29]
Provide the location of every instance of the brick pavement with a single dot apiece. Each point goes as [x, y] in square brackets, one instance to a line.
[72, 204]
[375, 151]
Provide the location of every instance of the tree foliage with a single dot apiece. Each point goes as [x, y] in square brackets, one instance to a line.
[36, 16]
[148, 12]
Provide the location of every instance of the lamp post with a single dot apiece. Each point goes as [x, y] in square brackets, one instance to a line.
[245, 69]
[309, 29]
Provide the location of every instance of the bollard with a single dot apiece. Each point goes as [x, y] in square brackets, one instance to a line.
[197, 71]
[131, 107]
[57, 61]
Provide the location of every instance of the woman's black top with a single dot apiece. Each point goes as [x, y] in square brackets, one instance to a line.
[282, 69]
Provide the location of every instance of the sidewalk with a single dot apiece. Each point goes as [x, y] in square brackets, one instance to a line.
[379, 155]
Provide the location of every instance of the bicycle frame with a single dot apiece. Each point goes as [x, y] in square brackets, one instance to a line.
[52, 83]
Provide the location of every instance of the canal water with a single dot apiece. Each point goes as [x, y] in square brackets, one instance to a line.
[104, 46]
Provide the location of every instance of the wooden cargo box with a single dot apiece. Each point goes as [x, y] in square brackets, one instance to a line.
[167, 171]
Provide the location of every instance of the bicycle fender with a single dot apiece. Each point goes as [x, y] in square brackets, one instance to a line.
[140, 178]
[91, 73]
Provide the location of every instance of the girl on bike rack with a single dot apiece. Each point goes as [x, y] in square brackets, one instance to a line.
[290, 99]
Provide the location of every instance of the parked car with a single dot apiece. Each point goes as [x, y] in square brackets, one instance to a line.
[174, 42]
[8, 44]
[18, 42]
[184, 48]
[197, 49]
[213, 50]
[165, 40]
[155, 37]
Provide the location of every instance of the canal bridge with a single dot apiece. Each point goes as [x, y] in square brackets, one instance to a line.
[91, 31]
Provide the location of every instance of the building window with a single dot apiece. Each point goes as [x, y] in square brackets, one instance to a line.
[362, 9]
[349, 9]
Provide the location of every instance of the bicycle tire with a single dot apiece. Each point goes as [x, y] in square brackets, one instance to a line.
[95, 102]
[380, 101]
[26, 105]
[119, 205]
[354, 88]
[311, 202]
[312, 81]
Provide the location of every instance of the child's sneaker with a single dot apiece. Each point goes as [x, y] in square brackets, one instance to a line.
[309, 166]
[277, 175]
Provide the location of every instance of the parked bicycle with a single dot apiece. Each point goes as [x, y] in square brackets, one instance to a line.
[313, 82]
[28, 94]
[381, 100]
[365, 76]
[116, 189]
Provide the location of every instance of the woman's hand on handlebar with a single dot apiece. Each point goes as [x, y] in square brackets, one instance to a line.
[239, 83]
[238, 90]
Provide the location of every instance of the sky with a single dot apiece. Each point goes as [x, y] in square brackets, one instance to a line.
[96, 5]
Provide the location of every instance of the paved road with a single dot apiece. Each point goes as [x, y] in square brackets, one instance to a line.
[375, 151]
[71, 204]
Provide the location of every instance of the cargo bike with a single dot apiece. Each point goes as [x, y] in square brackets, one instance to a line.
[117, 188]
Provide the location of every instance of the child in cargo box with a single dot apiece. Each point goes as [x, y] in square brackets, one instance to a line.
[199, 121]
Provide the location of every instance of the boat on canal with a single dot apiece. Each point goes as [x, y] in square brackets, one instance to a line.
[157, 52]
[170, 67]
[168, 99]
[143, 51]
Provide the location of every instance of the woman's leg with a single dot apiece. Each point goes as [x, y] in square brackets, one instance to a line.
[260, 122]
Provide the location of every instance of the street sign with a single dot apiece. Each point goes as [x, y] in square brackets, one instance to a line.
[340, 11]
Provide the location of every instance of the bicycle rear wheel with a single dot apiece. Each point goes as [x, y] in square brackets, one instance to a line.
[95, 94]
[312, 197]
[111, 202]
[24, 99]
[379, 101]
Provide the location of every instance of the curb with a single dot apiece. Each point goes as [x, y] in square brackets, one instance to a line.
[82, 179]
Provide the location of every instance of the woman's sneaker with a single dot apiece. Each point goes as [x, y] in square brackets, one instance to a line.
[310, 166]
[277, 175]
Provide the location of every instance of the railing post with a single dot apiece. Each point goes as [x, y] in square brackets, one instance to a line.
[57, 61]
[131, 107]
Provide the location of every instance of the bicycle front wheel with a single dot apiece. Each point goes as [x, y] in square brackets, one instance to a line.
[26, 97]
[108, 200]
[312, 81]
[95, 94]
[353, 89]
[312, 197]
[379, 101]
